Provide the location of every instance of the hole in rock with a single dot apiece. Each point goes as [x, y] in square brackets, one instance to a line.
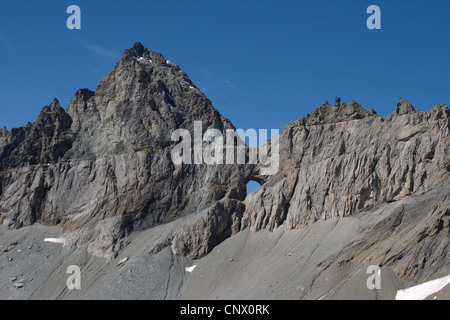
[252, 186]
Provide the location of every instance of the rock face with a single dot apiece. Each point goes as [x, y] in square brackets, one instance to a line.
[404, 107]
[329, 114]
[102, 170]
[45, 141]
[333, 167]
[341, 161]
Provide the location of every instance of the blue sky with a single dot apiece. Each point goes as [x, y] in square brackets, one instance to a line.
[262, 63]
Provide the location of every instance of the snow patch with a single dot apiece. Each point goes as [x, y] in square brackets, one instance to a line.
[142, 60]
[423, 290]
[190, 269]
[56, 240]
[122, 261]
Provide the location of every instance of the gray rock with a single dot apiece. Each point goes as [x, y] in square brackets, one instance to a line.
[338, 169]
[329, 114]
[337, 102]
[404, 107]
[44, 141]
[11, 246]
[102, 171]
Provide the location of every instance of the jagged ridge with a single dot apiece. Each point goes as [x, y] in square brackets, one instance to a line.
[332, 114]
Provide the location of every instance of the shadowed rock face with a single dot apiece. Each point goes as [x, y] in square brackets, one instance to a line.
[103, 169]
[45, 141]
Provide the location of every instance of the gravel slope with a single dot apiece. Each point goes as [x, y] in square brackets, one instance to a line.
[309, 263]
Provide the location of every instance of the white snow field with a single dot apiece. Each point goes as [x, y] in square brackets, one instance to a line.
[423, 290]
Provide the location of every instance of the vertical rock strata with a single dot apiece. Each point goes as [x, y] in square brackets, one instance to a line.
[338, 161]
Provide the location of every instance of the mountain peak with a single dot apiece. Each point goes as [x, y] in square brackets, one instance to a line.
[53, 107]
[331, 114]
[404, 107]
[140, 53]
[138, 49]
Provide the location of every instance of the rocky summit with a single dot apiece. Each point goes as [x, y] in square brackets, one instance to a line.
[353, 189]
